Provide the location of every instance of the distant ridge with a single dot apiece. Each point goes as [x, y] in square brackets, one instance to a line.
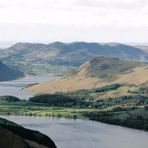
[98, 72]
[142, 47]
[7, 73]
[26, 56]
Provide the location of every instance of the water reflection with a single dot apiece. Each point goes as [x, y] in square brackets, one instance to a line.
[13, 87]
[69, 133]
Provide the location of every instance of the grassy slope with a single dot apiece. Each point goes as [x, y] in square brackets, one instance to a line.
[142, 47]
[7, 73]
[43, 59]
[15, 136]
[8, 139]
[98, 72]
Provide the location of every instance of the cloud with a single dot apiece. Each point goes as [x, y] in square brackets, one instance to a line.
[84, 13]
[51, 33]
[112, 4]
[77, 15]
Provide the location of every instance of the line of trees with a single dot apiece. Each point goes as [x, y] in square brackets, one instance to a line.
[106, 117]
[52, 99]
[9, 98]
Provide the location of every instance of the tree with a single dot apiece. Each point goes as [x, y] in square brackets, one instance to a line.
[146, 107]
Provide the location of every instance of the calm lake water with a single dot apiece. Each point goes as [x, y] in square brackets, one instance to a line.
[69, 133]
[13, 87]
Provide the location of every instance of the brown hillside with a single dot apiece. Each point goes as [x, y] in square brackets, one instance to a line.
[98, 72]
[10, 140]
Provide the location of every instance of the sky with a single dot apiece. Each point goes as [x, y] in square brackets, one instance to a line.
[48, 21]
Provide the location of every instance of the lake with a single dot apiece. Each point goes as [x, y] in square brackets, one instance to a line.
[14, 87]
[69, 133]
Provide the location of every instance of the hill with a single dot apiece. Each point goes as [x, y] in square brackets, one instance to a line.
[7, 73]
[98, 72]
[15, 136]
[8, 139]
[58, 57]
[142, 47]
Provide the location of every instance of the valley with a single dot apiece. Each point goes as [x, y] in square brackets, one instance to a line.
[99, 88]
[7, 73]
[98, 72]
[58, 58]
[73, 74]
[127, 104]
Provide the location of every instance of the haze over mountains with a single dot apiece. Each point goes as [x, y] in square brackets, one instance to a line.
[29, 56]
[7, 73]
[98, 72]
[142, 47]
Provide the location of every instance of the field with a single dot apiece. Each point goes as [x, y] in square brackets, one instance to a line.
[126, 105]
[125, 113]
[28, 108]
[38, 68]
[39, 109]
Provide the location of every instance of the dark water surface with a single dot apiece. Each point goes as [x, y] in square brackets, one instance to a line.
[69, 133]
[13, 87]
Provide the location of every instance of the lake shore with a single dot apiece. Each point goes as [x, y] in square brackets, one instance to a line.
[122, 118]
[83, 133]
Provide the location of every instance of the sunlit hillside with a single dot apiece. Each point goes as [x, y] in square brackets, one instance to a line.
[98, 72]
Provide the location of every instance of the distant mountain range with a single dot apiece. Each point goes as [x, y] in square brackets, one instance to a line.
[29, 56]
[98, 72]
[142, 47]
[7, 73]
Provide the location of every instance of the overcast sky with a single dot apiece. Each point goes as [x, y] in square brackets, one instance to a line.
[74, 20]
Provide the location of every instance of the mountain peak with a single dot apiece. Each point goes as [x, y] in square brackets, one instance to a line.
[98, 72]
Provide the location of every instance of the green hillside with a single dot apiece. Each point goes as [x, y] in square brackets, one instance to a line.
[8, 139]
[58, 58]
[15, 136]
[7, 73]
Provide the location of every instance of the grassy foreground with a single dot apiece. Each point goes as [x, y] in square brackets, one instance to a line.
[28, 108]
[40, 109]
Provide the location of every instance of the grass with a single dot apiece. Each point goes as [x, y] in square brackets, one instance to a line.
[120, 89]
[37, 109]
[39, 68]
[21, 108]
[141, 111]
[121, 115]
[87, 77]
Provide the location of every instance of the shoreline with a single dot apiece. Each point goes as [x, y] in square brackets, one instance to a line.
[2, 115]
